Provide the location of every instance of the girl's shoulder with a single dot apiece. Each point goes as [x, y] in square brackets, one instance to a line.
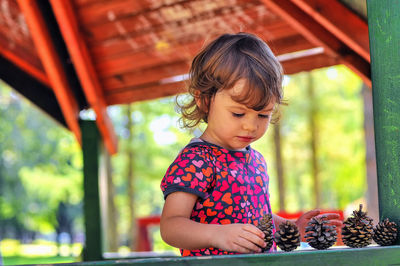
[258, 157]
[197, 147]
[257, 154]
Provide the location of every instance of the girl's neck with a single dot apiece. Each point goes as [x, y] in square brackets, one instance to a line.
[206, 139]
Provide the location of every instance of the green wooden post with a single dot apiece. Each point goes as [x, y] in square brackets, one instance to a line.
[91, 155]
[384, 36]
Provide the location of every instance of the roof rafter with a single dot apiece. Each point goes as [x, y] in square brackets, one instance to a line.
[31, 88]
[344, 24]
[146, 75]
[308, 63]
[318, 35]
[26, 66]
[151, 91]
[80, 56]
[52, 65]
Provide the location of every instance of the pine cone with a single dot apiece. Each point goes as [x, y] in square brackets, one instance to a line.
[266, 225]
[287, 237]
[357, 231]
[385, 233]
[320, 235]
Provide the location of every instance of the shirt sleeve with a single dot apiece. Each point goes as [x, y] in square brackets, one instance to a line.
[192, 172]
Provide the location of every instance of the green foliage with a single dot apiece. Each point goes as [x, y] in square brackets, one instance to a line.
[40, 164]
[156, 142]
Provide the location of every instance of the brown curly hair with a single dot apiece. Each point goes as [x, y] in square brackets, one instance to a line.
[221, 64]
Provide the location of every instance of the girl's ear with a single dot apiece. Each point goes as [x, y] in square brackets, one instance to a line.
[201, 103]
[198, 101]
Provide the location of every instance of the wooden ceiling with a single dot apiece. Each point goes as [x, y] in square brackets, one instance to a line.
[96, 53]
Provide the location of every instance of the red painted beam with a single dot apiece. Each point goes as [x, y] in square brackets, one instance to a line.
[145, 75]
[82, 61]
[26, 66]
[320, 36]
[52, 65]
[145, 92]
[340, 21]
[308, 63]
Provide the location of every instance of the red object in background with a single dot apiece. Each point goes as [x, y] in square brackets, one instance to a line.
[289, 215]
[143, 242]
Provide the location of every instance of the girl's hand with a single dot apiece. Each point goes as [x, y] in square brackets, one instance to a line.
[303, 220]
[242, 238]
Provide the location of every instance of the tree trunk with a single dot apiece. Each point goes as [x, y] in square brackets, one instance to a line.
[279, 166]
[314, 140]
[108, 208]
[130, 179]
[370, 160]
[112, 210]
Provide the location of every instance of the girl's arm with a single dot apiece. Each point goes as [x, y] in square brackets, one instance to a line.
[179, 231]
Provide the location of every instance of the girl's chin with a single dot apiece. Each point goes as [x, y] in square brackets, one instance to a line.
[240, 146]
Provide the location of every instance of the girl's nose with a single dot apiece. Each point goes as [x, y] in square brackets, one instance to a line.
[250, 125]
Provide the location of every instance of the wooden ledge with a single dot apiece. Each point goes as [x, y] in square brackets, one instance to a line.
[372, 255]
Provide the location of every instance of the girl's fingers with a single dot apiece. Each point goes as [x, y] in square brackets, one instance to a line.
[311, 214]
[242, 249]
[248, 245]
[330, 216]
[337, 223]
[254, 230]
[255, 240]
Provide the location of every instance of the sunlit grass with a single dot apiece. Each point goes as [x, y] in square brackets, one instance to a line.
[38, 252]
[46, 252]
[20, 260]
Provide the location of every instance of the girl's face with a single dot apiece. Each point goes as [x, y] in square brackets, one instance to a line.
[232, 125]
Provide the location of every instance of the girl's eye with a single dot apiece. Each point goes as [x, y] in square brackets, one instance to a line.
[263, 116]
[237, 115]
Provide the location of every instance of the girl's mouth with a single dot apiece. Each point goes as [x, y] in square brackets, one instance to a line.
[245, 139]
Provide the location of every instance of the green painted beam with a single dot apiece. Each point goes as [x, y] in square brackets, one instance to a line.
[347, 256]
[384, 36]
[91, 202]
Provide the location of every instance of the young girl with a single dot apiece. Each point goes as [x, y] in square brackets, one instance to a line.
[216, 190]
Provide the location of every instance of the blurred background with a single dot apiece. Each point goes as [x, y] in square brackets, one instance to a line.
[321, 139]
